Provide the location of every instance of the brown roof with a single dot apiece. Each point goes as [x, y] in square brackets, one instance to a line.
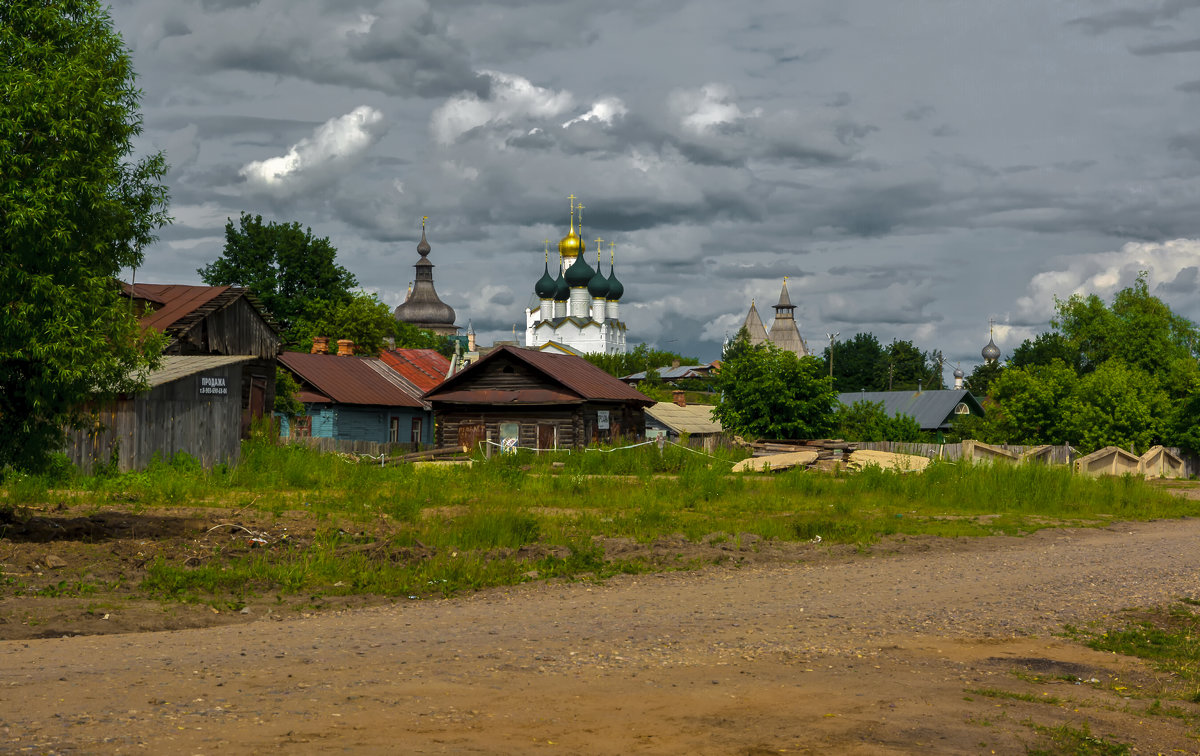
[180, 306]
[580, 378]
[349, 379]
[424, 368]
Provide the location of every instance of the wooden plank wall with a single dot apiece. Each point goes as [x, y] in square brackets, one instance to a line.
[576, 424]
[170, 418]
[235, 329]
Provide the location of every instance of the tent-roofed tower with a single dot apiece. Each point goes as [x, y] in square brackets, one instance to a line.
[423, 308]
[754, 326]
[784, 332]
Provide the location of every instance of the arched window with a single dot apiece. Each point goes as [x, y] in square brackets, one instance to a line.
[962, 409]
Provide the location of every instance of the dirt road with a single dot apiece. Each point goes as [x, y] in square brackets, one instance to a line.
[869, 654]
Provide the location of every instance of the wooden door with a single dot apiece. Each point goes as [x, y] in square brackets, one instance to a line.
[470, 435]
[547, 436]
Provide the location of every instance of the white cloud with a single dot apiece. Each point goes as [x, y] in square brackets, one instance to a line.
[1105, 273]
[605, 110]
[334, 145]
[700, 110]
[512, 98]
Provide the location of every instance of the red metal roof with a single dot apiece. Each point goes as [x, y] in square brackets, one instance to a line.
[580, 377]
[424, 368]
[349, 379]
[177, 301]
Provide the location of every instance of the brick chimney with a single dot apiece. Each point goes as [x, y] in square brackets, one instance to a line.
[320, 345]
[345, 348]
[679, 398]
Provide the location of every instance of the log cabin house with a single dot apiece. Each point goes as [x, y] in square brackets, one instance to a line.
[535, 400]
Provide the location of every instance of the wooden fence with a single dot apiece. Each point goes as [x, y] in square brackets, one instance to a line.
[371, 448]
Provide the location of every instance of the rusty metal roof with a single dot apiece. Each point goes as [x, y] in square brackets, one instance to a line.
[423, 368]
[182, 305]
[577, 376]
[350, 379]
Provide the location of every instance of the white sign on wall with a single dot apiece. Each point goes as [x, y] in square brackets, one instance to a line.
[213, 385]
[602, 419]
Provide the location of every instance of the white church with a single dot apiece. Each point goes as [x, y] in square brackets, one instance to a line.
[578, 309]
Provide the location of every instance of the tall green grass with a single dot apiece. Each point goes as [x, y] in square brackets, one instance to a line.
[469, 524]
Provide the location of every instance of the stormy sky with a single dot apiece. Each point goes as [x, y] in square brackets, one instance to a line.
[915, 168]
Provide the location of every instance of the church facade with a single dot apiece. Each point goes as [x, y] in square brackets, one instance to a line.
[578, 307]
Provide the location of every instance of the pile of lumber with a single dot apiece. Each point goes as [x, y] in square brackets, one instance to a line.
[429, 455]
[775, 454]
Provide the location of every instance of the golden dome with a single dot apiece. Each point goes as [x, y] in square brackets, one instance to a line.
[572, 245]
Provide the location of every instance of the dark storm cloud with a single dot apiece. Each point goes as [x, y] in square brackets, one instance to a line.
[1188, 144]
[1137, 18]
[1191, 87]
[1167, 48]
[875, 211]
[1187, 281]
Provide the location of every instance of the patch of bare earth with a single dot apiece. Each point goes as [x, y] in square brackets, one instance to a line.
[803, 649]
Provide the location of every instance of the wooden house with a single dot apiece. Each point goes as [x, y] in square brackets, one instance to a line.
[217, 377]
[351, 398]
[535, 400]
[212, 320]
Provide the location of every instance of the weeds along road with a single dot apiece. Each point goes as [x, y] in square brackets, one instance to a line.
[870, 653]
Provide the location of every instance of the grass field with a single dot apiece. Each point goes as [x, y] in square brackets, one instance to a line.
[406, 530]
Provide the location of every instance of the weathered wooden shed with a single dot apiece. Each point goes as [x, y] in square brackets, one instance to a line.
[192, 406]
[212, 320]
[535, 400]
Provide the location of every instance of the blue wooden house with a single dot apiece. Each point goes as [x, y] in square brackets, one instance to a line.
[351, 398]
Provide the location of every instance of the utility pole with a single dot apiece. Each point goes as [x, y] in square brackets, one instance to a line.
[832, 340]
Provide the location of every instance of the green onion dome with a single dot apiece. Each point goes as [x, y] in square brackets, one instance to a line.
[545, 286]
[579, 274]
[562, 292]
[615, 289]
[598, 285]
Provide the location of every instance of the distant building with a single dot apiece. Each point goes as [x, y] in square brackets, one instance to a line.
[676, 418]
[785, 333]
[535, 400]
[933, 410]
[579, 308]
[351, 398]
[423, 308]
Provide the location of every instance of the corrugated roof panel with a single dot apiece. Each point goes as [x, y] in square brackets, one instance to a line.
[694, 418]
[177, 300]
[175, 367]
[929, 408]
[424, 368]
[348, 379]
[575, 373]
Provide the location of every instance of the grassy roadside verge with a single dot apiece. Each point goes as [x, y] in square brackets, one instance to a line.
[407, 531]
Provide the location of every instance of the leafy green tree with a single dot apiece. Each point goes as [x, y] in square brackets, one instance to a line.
[287, 402]
[869, 421]
[640, 358]
[366, 321]
[982, 378]
[75, 208]
[1032, 404]
[908, 368]
[1044, 349]
[286, 266]
[1139, 329]
[859, 364]
[769, 393]
[1117, 405]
